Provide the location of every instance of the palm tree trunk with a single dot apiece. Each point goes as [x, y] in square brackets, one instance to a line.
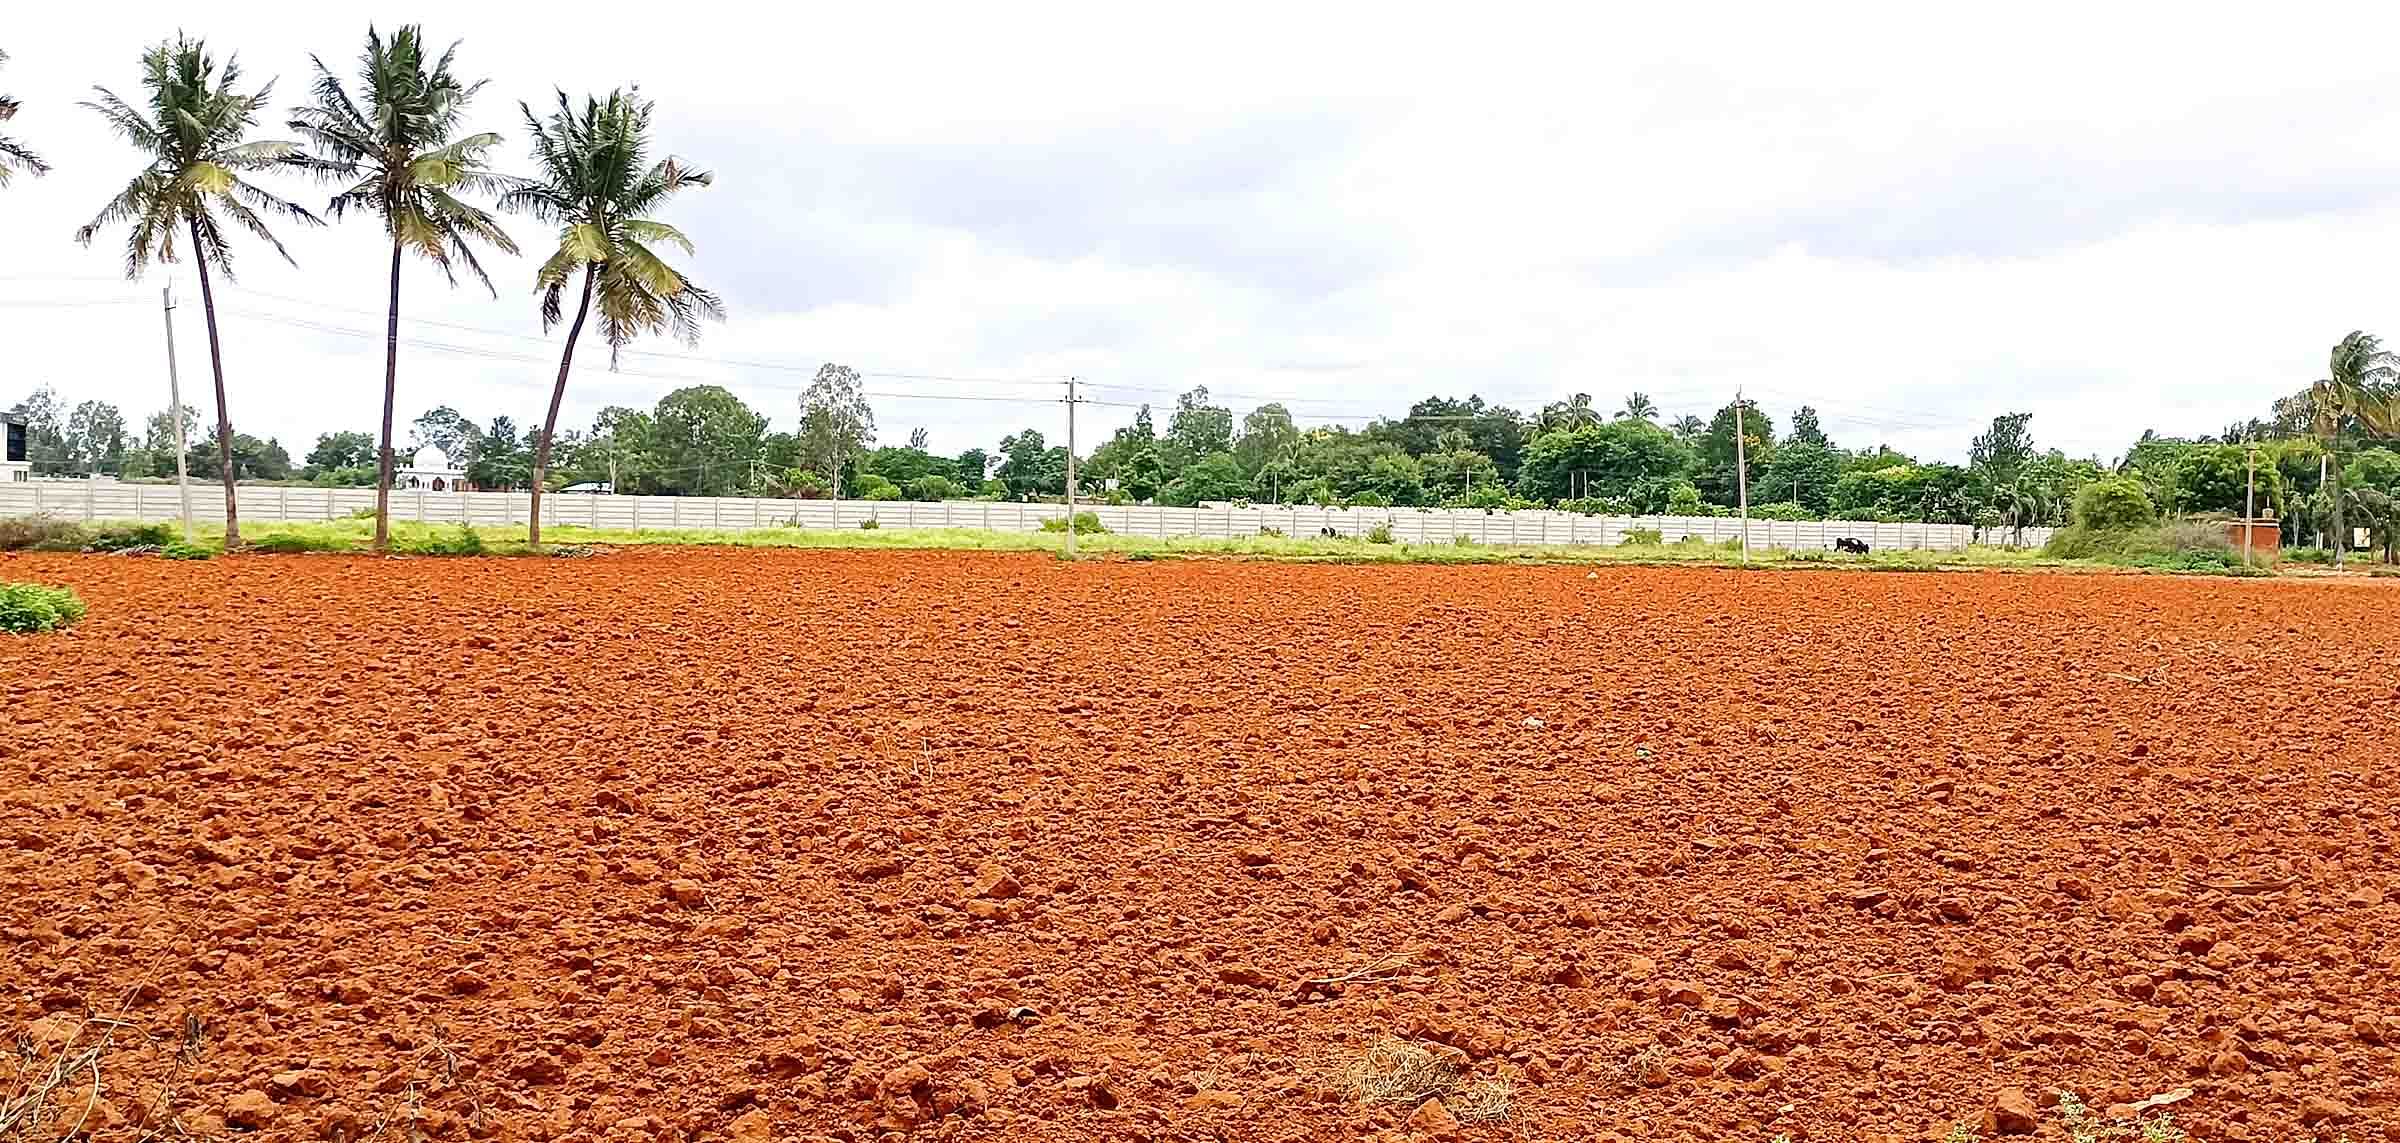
[391, 392]
[558, 392]
[216, 367]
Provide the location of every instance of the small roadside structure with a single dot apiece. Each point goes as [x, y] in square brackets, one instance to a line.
[14, 468]
[2265, 535]
[433, 470]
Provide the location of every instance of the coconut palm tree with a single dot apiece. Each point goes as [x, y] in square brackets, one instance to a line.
[409, 172]
[1572, 413]
[13, 154]
[2358, 388]
[192, 132]
[1639, 407]
[595, 181]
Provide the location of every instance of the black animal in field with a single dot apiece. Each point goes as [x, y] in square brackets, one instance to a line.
[1852, 545]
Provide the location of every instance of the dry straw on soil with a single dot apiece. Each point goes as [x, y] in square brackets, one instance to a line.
[1393, 1072]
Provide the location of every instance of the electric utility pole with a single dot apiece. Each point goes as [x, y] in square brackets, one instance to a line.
[1071, 402]
[1741, 470]
[183, 484]
[2250, 503]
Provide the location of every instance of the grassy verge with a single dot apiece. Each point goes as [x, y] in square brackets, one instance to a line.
[451, 540]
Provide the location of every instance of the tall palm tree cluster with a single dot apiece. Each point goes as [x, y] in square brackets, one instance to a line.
[2360, 389]
[390, 143]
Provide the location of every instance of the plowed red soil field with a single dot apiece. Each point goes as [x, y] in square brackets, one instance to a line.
[686, 845]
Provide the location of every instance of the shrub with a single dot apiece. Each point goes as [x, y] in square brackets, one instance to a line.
[1381, 533]
[362, 514]
[32, 608]
[869, 524]
[874, 487]
[1781, 510]
[1270, 530]
[2115, 504]
[2197, 536]
[2308, 555]
[930, 488]
[1086, 524]
[40, 533]
[2178, 545]
[1370, 499]
[120, 537]
[1642, 537]
[463, 542]
[178, 550]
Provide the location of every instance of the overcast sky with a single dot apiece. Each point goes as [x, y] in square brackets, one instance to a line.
[1913, 217]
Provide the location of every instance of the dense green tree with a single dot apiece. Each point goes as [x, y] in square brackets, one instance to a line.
[498, 459]
[973, 467]
[1497, 432]
[904, 465]
[1394, 478]
[1343, 459]
[1108, 461]
[15, 156]
[192, 135]
[447, 429]
[706, 442]
[835, 421]
[1716, 474]
[1806, 430]
[45, 420]
[1800, 472]
[342, 450]
[619, 451]
[95, 438]
[1268, 435]
[1197, 429]
[1143, 475]
[2004, 448]
[153, 457]
[1456, 472]
[2217, 478]
[253, 459]
[1029, 467]
[594, 180]
[1624, 459]
[1215, 477]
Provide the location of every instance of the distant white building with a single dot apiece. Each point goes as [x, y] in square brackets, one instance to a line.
[14, 468]
[431, 469]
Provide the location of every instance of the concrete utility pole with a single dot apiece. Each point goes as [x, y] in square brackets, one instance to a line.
[1071, 401]
[1741, 469]
[2249, 504]
[183, 484]
[2321, 478]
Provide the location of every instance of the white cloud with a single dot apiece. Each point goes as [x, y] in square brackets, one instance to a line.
[1912, 217]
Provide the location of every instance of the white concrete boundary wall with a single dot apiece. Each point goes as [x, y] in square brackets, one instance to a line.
[266, 504]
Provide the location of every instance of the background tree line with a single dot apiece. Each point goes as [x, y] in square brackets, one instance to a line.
[705, 441]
